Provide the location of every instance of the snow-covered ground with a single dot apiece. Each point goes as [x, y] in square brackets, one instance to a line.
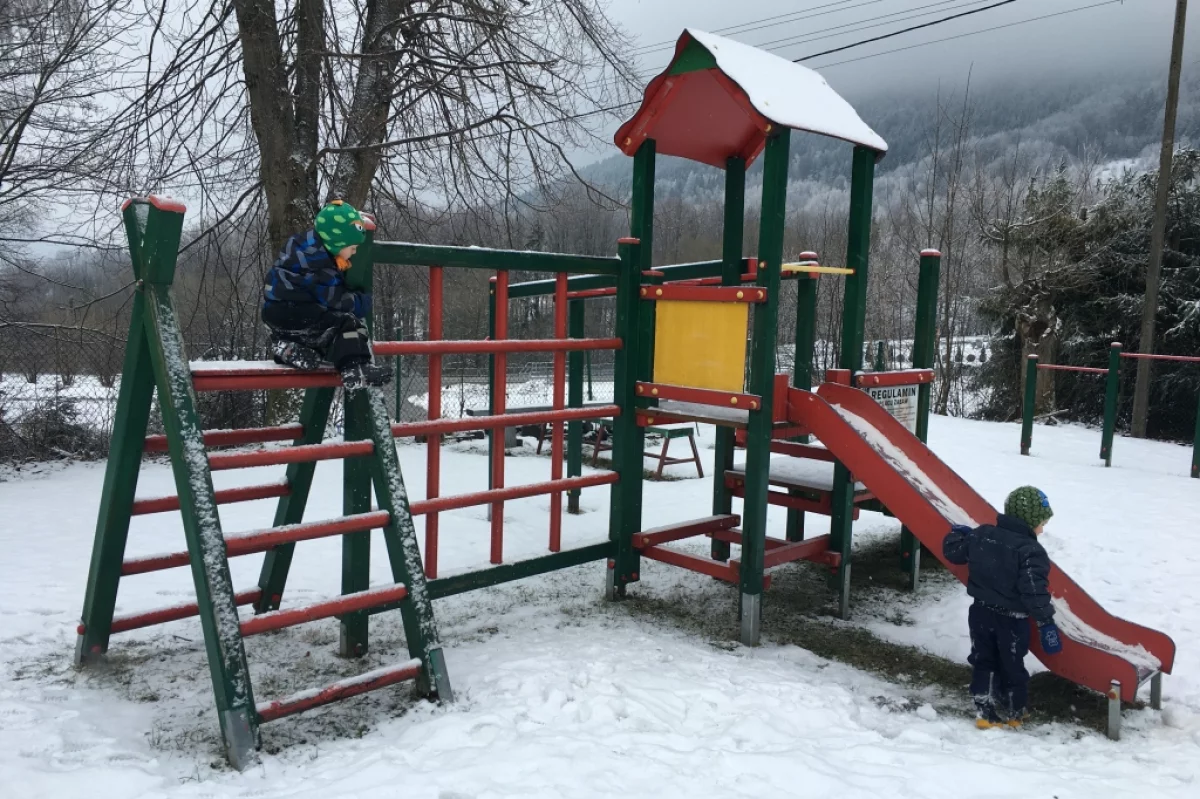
[561, 694]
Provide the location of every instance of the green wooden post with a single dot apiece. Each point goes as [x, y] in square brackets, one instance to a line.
[1112, 390]
[1027, 407]
[575, 329]
[1196, 444]
[121, 474]
[591, 392]
[197, 504]
[880, 364]
[806, 342]
[924, 341]
[853, 315]
[732, 240]
[762, 383]
[356, 483]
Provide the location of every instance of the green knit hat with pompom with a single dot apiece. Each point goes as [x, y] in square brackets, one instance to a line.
[1030, 505]
[340, 226]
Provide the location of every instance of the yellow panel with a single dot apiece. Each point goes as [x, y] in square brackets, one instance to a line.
[701, 344]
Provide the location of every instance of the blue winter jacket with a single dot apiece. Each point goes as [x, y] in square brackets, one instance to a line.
[1008, 569]
[305, 272]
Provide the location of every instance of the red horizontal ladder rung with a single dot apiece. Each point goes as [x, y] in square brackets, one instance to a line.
[136, 621]
[1058, 367]
[458, 501]
[750, 294]
[304, 453]
[239, 544]
[263, 377]
[444, 426]
[225, 496]
[689, 529]
[349, 603]
[232, 438]
[907, 377]
[485, 346]
[700, 396]
[342, 689]
[713, 568]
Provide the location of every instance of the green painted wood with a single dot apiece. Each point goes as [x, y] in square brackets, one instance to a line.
[762, 375]
[575, 329]
[201, 524]
[853, 317]
[314, 416]
[1028, 404]
[694, 58]
[806, 344]
[1112, 391]
[924, 342]
[508, 572]
[641, 213]
[400, 538]
[396, 252]
[732, 243]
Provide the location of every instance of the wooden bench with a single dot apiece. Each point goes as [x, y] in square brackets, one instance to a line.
[668, 433]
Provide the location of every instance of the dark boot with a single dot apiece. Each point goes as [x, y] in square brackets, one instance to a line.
[355, 376]
[298, 356]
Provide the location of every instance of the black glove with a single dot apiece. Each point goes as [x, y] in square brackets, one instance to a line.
[1051, 642]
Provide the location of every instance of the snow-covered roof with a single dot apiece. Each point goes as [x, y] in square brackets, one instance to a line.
[718, 98]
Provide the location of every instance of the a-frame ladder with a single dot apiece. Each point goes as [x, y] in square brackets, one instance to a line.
[155, 359]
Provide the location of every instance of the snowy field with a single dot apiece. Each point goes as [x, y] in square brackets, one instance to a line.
[563, 695]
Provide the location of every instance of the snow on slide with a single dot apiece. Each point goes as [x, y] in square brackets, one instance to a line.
[925, 494]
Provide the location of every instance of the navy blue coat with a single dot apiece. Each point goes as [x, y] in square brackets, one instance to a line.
[1008, 569]
[305, 272]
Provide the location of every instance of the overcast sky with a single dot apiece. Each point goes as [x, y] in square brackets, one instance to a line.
[1099, 38]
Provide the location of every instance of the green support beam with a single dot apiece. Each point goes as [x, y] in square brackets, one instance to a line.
[924, 345]
[732, 243]
[853, 315]
[762, 381]
[1112, 391]
[395, 252]
[1027, 406]
[575, 327]
[806, 344]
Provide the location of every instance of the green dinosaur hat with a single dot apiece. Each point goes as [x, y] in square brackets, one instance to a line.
[340, 226]
[1030, 505]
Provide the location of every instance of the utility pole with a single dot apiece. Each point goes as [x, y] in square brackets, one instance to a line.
[1158, 233]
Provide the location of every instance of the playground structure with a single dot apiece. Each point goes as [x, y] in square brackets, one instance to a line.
[681, 355]
[1112, 392]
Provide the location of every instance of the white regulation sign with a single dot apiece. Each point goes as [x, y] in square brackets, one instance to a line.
[899, 401]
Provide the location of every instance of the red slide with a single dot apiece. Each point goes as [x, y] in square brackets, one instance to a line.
[927, 496]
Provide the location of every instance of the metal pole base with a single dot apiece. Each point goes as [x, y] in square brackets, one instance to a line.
[86, 653]
[914, 577]
[435, 681]
[751, 618]
[844, 594]
[240, 745]
[612, 590]
[1113, 728]
[1156, 691]
[350, 643]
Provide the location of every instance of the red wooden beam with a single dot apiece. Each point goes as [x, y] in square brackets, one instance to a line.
[279, 379]
[444, 426]
[905, 377]
[587, 294]
[233, 438]
[261, 540]
[136, 621]
[1055, 367]
[816, 549]
[494, 346]
[458, 501]
[350, 603]
[342, 689]
[677, 532]
[1148, 357]
[305, 453]
[224, 497]
[703, 293]
[839, 376]
[713, 568]
[702, 396]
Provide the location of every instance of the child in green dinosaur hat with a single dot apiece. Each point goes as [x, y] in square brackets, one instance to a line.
[312, 315]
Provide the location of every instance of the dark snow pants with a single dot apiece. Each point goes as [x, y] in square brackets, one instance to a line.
[340, 337]
[999, 643]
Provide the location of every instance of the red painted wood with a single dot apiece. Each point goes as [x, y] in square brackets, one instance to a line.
[238, 544]
[838, 376]
[559, 402]
[254, 369]
[1054, 367]
[342, 689]
[512, 492]
[689, 529]
[433, 442]
[811, 549]
[629, 239]
[701, 396]
[798, 450]
[910, 377]
[279, 379]
[350, 603]
[499, 403]
[305, 453]
[586, 294]
[224, 497]
[233, 438]
[703, 293]
[1147, 357]
[713, 568]
[136, 621]
[469, 423]
[494, 346]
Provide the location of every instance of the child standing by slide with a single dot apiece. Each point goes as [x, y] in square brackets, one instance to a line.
[1009, 579]
[313, 317]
